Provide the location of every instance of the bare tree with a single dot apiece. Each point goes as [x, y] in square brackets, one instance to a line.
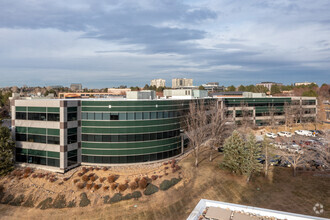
[220, 127]
[246, 121]
[272, 113]
[288, 114]
[295, 158]
[267, 150]
[196, 122]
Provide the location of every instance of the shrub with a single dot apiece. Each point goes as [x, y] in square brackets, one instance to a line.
[165, 174]
[160, 176]
[34, 175]
[105, 188]
[71, 204]
[177, 167]
[85, 178]
[127, 197]
[165, 168]
[97, 186]
[165, 185]
[104, 168]
[136, 194]
[165, 163]
[80, 174]
[154, 177]
[52, 179]
[116, 198]
[175, 181]
[173, 170]
[122, 187]
[92, 178]
[102, 179]
[65, 179]
[172, 165]
[84, 201]
[59, 202]
[91, 174]
[84, 169]
[137, 179]
[97, 168]
[114, 186]
[91, 169]
[133, 185]
[80, 185]
[45, 204]
[89, 185]
[28, 170]
[173, 161]
[60, 183]
[16, 173]
[26, 175]
[29, 202]
[151, 189]
[17, 201]
[9, 198]
[40, 175]
[143, 183]
[127, 181]
[76, 180]
[112, 178]
[106, 199]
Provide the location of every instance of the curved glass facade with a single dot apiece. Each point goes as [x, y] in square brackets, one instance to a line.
[127, 131]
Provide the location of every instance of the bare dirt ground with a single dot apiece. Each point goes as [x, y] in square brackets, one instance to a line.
[280, 191]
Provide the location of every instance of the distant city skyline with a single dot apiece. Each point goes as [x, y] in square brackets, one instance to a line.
[111, 43]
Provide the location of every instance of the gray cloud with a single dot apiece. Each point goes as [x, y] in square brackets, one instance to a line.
[232, 40]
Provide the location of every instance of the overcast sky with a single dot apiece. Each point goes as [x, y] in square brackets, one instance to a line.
[111, 43]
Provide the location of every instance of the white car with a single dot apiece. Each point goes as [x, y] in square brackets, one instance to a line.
[284, 134]
[271, 135]
[304, 132]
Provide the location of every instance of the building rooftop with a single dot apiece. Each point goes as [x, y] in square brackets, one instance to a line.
[215, 210]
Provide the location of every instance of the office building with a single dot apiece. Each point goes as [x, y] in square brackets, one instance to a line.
[76, 87]
[303, 83]
[158, 82]
[181, 82]
[269, 85]
[59, 134]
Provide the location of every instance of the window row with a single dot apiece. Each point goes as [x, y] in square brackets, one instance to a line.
[129, 115]
[38, 138]
[38, 116]
[130, 159]
[130, 137]
[37, 160]
[255, 104]
[72, 157]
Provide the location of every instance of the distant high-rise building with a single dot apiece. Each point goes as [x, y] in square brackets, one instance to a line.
[158, 82]
[181, 82]
[303, 83]
[76, 87]
[268, 85]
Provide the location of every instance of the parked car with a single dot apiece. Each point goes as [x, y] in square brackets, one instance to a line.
[284, 134]
[271, 135]
[304, 133]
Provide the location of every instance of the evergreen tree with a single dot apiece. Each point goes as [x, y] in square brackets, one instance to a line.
[233, 150]
[240, 156]
[275, 89]
[252, 153]
[201, 87]
[6, 151]
[231, 88]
